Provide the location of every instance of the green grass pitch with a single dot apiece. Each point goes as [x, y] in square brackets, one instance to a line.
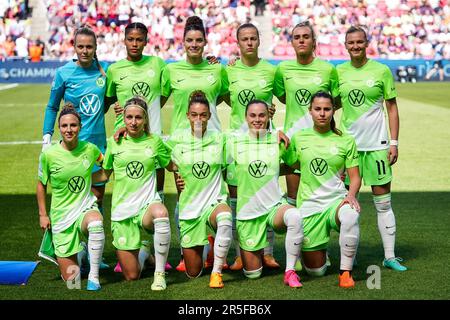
[421, 202]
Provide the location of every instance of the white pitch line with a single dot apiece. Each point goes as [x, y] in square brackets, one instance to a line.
[9, 86]
[11, 143]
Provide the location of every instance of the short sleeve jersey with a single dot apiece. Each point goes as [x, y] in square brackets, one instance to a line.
[323, 158]
[133, 162]
[85, 89]
[69, 175]
[182, 78]
[299, 82]
[363, 91]
[257, 162]
[126, 79]
[200, 163]
[246, 84]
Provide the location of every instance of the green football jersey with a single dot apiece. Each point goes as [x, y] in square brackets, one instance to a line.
[133, 161]
[299, 82]
[323, 158]
[363, 91]
[257, 162]
[182, 78]
[246, 84]
[126, 79]
[69, 174]
[200, 163]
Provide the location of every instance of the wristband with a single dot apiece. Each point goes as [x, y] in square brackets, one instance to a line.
[394, 143]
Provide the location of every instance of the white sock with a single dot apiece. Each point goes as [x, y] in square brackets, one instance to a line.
[233, 203]
[386, 223]
[144, 253]
[294, 236]
[271, 239]
[292, 202]
[348, 236]
[161, 242]
[223, 239]
[96, 243]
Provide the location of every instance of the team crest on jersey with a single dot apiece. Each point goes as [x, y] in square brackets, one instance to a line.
[211, 78]
[90, 104]
[151, 73]
[334, 150]
[100, 82]
[230, 175]
[262, 83]
[273, 151]
[317, 80]
[370, 83]
[148, 152]
[86, 163]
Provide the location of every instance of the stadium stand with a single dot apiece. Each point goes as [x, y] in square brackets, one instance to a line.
[399, 29]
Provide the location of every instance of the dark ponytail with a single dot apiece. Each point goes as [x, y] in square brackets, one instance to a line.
[198, 96]
[196, 24]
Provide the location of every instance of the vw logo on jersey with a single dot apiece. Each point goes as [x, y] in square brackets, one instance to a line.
[135, 169]
[245, 96]
[76, 184]
[201, 170]
[90, 104]
[141, 88]
[302, 96]
[257, 168]
[318, 166]
[356, 97]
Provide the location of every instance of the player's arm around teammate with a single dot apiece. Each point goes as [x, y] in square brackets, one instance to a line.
[198, 153]
[67, 166]
[135, 202]
[323, 153]
[180, 79]
[364, 84]
[296, 81]
[256, 155]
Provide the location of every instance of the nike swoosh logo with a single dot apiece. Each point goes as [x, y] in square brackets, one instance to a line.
[297, 244]
[389, 227]
[179, 80]
[232, 82]
[123, 77]
[288, 78]
[222, 246]
[304, 148]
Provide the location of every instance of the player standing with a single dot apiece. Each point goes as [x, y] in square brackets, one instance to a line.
[181, 78]
[364, 84]
[249, 78]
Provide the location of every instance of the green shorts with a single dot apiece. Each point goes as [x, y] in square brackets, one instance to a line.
[127, 233]
[253, 233]
[317, 228]
[374, 168]
[67, 242]
[194, 232]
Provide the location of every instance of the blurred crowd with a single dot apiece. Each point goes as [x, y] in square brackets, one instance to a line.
[398, 29]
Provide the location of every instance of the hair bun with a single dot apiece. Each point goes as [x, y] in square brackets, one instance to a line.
[194, 20]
